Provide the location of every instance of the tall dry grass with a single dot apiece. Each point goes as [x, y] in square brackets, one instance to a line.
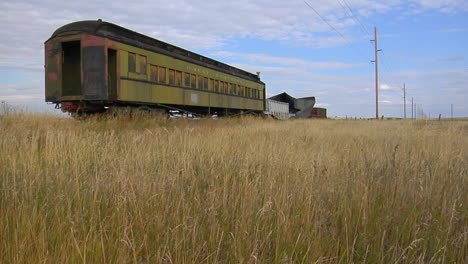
[148, 190]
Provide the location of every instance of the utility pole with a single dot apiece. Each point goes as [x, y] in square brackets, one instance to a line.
[415, 111]
[451, 111]
[404, 100]
[412, 108]
[376, 61]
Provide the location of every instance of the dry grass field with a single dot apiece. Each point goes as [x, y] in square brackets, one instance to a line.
[241, 190]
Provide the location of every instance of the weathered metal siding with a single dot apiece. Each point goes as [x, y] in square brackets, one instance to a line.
[277, 109]
[305, 105]
[52, 71]
[318, 112]
[94, 77]
[138, 87]
[93, 68]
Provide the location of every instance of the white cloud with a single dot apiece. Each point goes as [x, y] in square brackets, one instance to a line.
[21, 98]
[452, 30]
[276, 60]
[446, 6]
[388, 87]
[211, 25]
[25, 25]
[455, 58]
[388, 102]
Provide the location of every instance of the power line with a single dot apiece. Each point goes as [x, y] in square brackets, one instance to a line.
[385, 61]
[365, 31]
[386, 69]
[334, 29]
[357, 18]
[363, 28]
[323, 19]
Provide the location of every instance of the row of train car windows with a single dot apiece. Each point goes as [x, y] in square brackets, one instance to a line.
[178, 78]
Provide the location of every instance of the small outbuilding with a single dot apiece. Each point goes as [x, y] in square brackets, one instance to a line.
[301, 107]
[318, 112]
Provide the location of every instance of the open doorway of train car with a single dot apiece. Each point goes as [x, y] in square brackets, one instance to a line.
[112, 73]
[71, 68]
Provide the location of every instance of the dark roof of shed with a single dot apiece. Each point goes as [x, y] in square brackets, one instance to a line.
[286, 98]
[283, 97]
[309, 97]
[124, 35]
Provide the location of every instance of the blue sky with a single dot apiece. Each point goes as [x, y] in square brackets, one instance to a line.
[297, 51]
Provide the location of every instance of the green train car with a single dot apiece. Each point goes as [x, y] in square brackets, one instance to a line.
[94, 66]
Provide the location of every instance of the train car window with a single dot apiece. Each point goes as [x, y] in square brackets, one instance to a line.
[210, 85]
[216, 85]
[200, 82]
[142, 60]
[153, 73]
[221, 86]
[187, 79]
[162, 75]
[193, 81]
[205, 83]
[178, 80]
[131, 62]
[171, 77]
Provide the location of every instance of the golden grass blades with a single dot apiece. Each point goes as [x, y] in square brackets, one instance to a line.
[236, 190]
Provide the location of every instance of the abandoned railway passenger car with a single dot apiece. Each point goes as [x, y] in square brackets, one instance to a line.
[91, 66]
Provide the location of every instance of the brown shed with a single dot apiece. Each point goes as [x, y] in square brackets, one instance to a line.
[318, 112]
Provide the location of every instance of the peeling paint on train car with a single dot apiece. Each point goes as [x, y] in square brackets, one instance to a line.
[52, 69]
[90, 40]
[94, 71]
[104, 76]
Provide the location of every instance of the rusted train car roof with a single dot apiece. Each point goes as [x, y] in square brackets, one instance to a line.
[118, 33]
